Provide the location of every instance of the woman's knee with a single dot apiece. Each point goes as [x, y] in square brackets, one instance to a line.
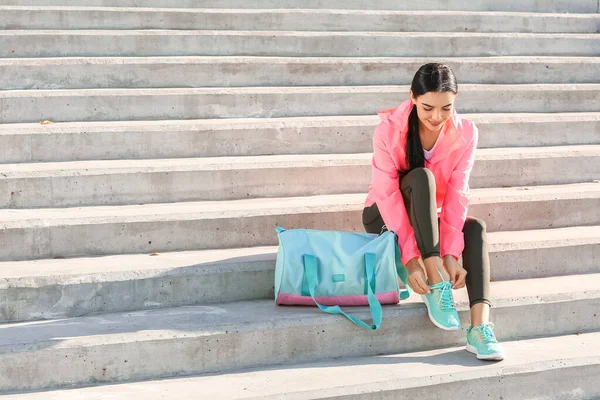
[474, 227]
[419, 177]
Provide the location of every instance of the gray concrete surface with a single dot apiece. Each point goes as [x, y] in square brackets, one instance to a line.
[94, 43]
[160, 104]
[569, 371]
[192, 340]
[48, 233]
[252, 137]
[577, 6]
[50, 289]
[115, 182]
[165, 72]
[548, 233]
[78, 17]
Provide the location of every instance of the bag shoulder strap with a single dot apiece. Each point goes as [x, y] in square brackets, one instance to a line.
[310, 271]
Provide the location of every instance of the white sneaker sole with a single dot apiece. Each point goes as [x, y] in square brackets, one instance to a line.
[487, 357]
[424, 298]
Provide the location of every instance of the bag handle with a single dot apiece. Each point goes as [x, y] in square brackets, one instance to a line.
[402, 273]
[310, 271]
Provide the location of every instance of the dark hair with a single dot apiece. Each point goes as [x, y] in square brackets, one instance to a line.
[433, 77]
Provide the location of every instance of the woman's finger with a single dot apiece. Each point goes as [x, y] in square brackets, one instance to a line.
[460, 281]
[414, 286]
[423, 285]
[453, 276]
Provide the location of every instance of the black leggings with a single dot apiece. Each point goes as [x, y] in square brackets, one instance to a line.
[418, 190]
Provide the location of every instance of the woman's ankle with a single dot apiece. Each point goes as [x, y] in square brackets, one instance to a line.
[480, 314]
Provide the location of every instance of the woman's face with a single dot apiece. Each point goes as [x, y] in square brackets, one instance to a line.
[434, 108]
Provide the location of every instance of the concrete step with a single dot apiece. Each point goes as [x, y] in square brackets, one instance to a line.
[204, 339]
[49, 233]
[170, 72]
[136, 43]
[266, 136]
[570, 370]
[19, 17]
[61, 288]
[115, 182]
[160, 104]
[578, 6]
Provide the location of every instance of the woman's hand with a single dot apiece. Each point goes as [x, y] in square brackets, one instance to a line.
[456, 272]
[416, 277]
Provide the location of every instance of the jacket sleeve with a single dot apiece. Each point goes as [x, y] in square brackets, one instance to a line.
[456, 203]
[386, 186]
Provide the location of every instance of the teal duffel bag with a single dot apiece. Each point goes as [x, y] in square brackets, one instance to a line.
[330, 269]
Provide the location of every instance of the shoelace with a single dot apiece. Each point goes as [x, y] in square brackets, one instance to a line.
[446, 301]
[487, 334]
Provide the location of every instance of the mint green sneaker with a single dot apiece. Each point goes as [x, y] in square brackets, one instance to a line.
[482, 342]
[440, 306]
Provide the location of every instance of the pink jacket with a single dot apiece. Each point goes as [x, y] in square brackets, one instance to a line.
[451, 165]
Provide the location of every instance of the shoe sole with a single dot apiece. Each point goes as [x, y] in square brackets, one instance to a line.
[487, 357]
[433, 319]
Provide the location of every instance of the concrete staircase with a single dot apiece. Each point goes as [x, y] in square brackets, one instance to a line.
[137, 230]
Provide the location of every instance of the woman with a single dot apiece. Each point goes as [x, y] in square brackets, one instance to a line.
[423, 153]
